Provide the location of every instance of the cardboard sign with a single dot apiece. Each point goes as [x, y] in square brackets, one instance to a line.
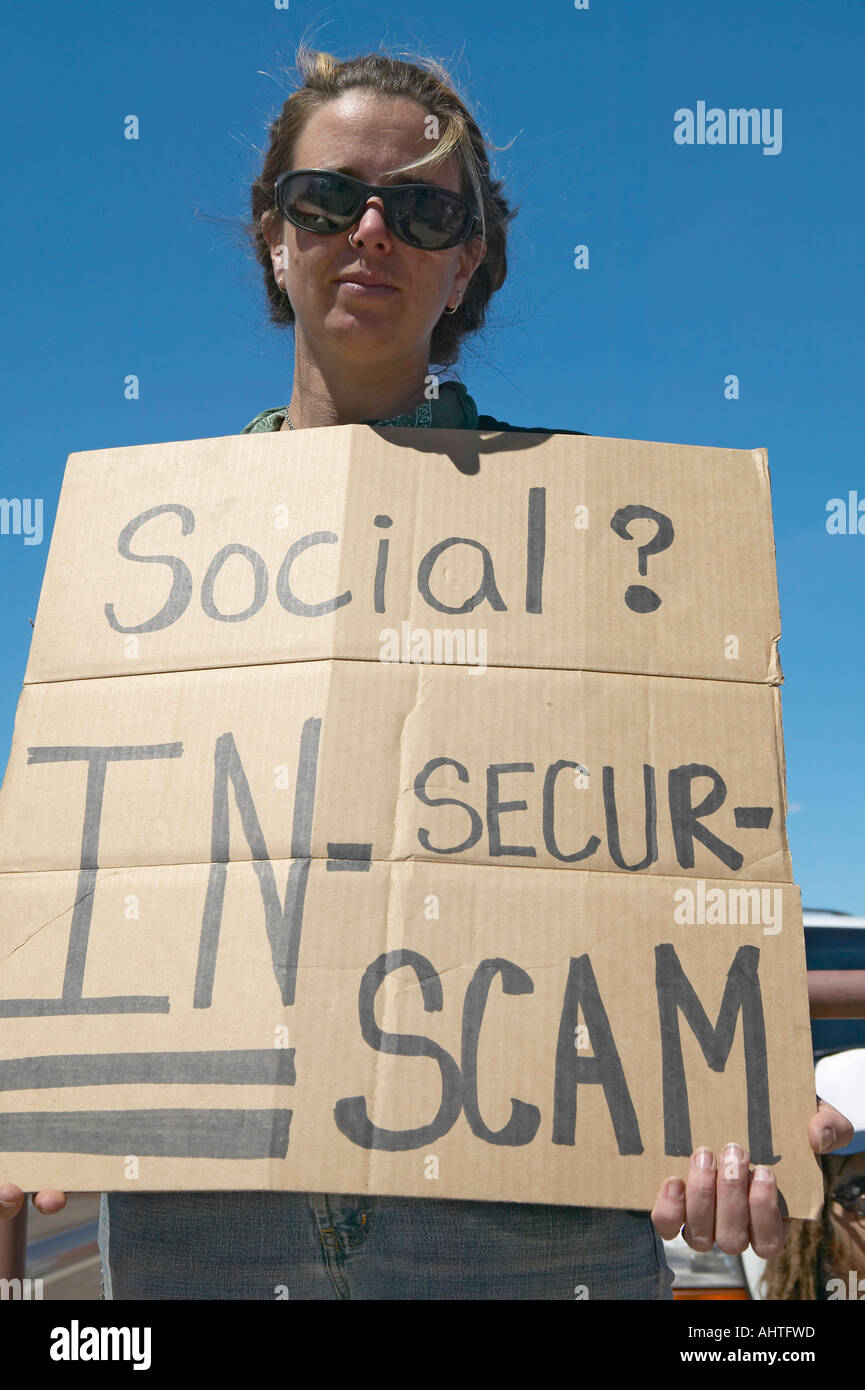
[403, 812]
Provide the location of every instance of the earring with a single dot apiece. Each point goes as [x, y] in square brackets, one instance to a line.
[456, 306]
[283, 266]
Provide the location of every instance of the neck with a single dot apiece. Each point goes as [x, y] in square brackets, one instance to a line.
[328, 391]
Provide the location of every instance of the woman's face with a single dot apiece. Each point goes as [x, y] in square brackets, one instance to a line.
[849, 1229]
[363, 134]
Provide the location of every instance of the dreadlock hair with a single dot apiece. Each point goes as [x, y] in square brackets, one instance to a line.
[810, 1253]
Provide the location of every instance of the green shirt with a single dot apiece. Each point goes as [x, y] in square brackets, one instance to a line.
[453, 410]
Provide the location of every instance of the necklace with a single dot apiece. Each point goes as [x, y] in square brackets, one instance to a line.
[288, 418]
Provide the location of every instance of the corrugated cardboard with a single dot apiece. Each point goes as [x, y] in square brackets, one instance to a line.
[352, 514]
[493, 903]
[550, 764]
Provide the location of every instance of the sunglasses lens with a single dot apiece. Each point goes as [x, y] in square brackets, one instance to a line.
[323, 203]
[421, 215]
[429, 218]
[851, 1196]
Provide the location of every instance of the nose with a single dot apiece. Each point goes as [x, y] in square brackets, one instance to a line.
[372, 227]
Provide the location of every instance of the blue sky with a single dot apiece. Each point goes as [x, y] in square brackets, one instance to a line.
[704, 261]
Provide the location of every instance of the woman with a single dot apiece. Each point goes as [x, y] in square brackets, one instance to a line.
[824, 1260]
[378, 286]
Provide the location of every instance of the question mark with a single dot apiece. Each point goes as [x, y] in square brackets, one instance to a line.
[639, 598]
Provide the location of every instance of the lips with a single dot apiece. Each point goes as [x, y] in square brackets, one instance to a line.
[365, 280]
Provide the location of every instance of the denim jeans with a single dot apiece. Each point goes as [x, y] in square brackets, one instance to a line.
[291, 1245]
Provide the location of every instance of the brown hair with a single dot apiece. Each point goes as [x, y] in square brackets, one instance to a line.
[810, 1253]
[323, 78]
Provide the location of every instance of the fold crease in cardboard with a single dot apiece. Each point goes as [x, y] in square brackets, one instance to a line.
[403, 811]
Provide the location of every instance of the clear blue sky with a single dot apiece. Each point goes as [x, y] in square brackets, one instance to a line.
[704, 261]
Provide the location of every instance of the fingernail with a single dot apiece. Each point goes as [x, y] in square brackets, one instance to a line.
[703, 1158]
[827, 1140]
[6, 1204]
[763, 1175]
[732, 1153]
[7, 1197]
[674, 1188]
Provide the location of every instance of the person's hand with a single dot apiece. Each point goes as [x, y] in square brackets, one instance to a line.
[725, 1204]
[12, 1199]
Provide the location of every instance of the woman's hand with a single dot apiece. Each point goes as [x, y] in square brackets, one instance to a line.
[725, 1204]
[48, 1202]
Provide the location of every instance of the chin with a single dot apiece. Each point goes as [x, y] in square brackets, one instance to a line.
[361, 332]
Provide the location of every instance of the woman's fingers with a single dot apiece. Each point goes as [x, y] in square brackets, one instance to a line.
[723, 1204]
[768, 1226]
[732, 1217]
[668, 1213]
[828, 1129]
[690, 1205]
[50, 1201]
[699, 1230]
[730, 1207]
[11, 1201]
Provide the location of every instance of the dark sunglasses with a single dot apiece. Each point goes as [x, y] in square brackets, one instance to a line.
[420, 214]
[851, 1195]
